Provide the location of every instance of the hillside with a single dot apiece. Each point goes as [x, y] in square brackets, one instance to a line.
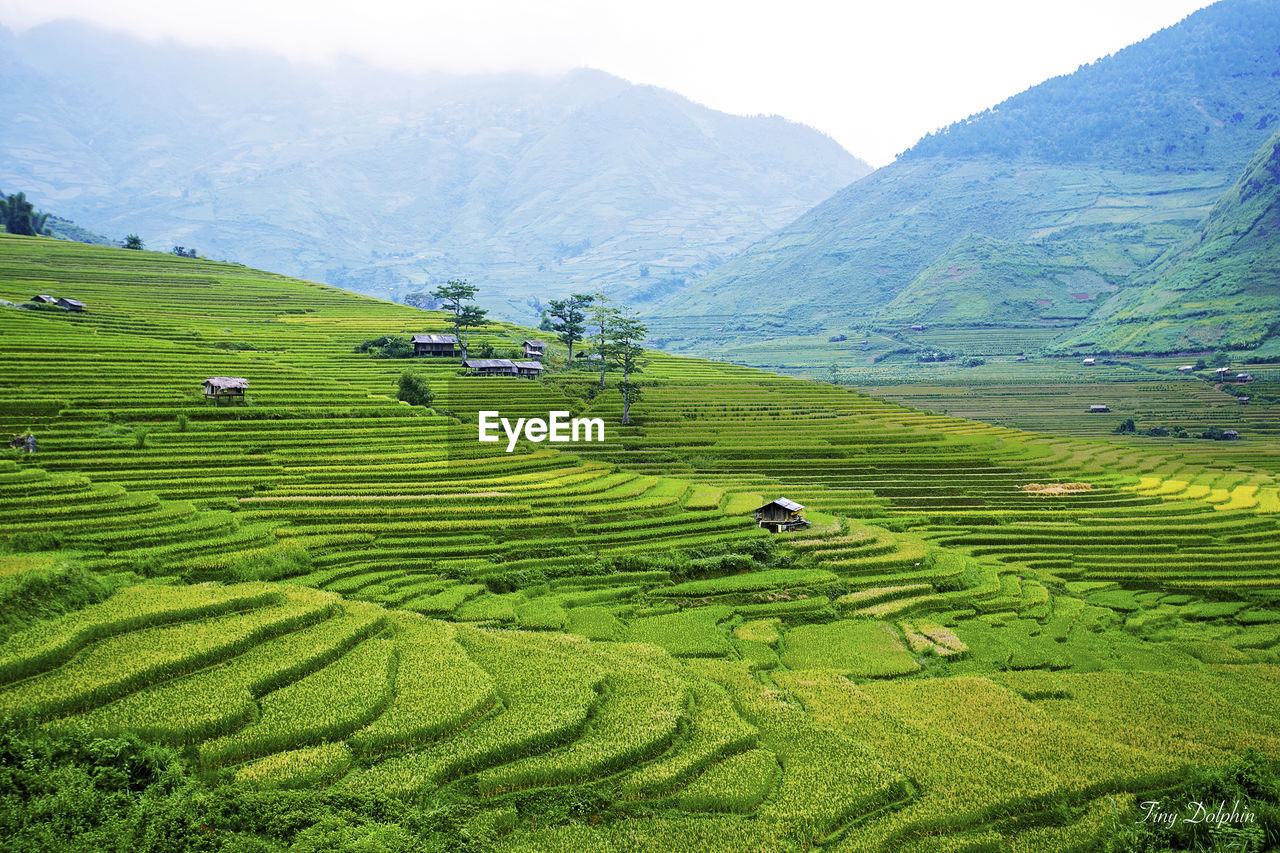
[384, 182]
[1028, 215]
[1219, 289]
[984, 633]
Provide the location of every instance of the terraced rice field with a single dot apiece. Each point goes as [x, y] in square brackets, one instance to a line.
[327, 588]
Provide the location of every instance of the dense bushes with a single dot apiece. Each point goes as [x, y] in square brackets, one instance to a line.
[414, 390]
[387, 346]
[78, 793]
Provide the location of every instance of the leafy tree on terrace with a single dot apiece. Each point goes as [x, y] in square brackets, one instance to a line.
[602, 315]
[569, 318]
[455, 296]
[133, 241]
[623, 350]
[19, 216]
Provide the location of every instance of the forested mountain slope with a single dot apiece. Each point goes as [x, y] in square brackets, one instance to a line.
[1030, 214]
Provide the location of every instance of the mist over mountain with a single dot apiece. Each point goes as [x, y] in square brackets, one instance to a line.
[1031, 214]
[386, 182]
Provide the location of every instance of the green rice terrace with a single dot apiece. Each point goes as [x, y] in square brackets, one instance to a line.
[990, 637]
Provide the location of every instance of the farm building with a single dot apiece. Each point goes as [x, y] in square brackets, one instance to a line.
[1186, 368]
[71, 304]
[229, 389]
[530, 369]
[917, 328]
[534, 349]
[1242, 400]
[1244, 377]
[780, 515]
[1099, 407]
[44, 299]
[440, 345]
[1089, 362]
[1021, 358]
[490, 367]
[1230, 434]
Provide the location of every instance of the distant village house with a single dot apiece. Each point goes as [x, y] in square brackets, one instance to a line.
[534, 349]
[71, 304]
[1186, 368]
[1089, 362]
[1099, 407]
[439, 345]
[44, 299]
[781, 515]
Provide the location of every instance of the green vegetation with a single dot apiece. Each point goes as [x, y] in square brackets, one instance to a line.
[348, 617]
[458, 298]
[413, 389]
[19, 216]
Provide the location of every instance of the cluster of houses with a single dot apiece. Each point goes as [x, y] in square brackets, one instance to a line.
[446, 346]
[1224, 375]
[62, 302]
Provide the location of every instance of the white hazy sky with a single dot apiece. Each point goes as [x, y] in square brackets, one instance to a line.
[874, 75]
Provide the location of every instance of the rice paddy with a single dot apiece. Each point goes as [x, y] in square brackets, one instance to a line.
[327, 588]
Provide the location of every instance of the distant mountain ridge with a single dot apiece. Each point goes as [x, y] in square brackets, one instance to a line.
[1032, 214]
[385, 183]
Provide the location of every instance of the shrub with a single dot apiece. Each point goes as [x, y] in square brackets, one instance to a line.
[413, 389]
[387, 346]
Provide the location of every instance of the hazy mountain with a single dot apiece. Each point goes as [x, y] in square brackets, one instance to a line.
[383, 182]
[1031, 213]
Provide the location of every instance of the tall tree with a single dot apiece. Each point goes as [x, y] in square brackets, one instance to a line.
[602, 315]
[458, 296]
[133, 241]
[623, 351]
[569, 318]
[19, 216]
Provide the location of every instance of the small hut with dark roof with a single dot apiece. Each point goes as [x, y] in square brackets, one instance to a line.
[780, 515]
[490, 367]
[71, 304]
[529, 369]
[228, 389]
[441, 345]
[534, 349]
